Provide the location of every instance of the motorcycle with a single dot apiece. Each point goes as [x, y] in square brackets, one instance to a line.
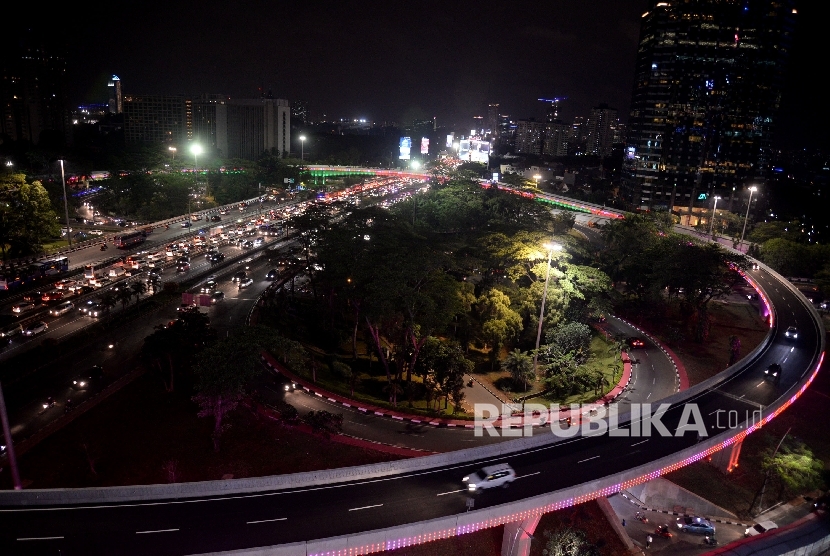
[470, 383]
[167, 226]
[104, 247]
[711, 541]
[641, 517]
[663, 531]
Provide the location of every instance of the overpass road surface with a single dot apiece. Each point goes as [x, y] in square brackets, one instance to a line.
[323, 509]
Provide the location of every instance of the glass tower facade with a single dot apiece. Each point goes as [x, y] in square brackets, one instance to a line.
[708, 81]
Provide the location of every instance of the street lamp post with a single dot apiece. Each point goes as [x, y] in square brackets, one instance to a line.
[66, 206]
[752, 190]
[551, 249]
[302, 148]
[712, 223]
[172, 153]
[537, 177]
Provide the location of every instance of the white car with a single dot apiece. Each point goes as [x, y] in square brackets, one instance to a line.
[35, 328]
[61, 309]
[245, 283]
[23, 307]
[492, 476]
[95, 232]
[759, 528]
[791, 333]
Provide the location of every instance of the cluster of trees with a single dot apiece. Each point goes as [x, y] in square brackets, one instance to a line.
[27, 218]
[654, 267]
[217, 371]
[449, 268]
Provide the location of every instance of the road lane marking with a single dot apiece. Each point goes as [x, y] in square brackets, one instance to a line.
[450, 492]
[39, 538]
[528, 475]
[641, 442]
[589, 459]
[267, 520]
[156, 531]
[365, 507]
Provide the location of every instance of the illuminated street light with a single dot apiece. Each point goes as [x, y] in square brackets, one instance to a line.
[302, 148]
[66, 206]
[551, 249]
[712, 223]
[415, 165]
[537, 177]
[172, 152]
[752, 190]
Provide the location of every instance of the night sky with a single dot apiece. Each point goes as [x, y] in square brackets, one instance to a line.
[394, 61]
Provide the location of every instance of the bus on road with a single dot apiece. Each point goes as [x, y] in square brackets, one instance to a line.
[125, 241]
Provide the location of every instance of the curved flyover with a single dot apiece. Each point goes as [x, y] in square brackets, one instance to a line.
[384, 506]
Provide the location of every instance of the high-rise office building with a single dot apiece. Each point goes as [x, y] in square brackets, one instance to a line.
[706, 91]
[116, 102]
[156, 119]
[493, 119]
[557, 135]
[530, 136]
[33, 90]
[600, 135]
[247, 129]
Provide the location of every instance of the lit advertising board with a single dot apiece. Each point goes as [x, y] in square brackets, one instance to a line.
[480, 152]
[405, 148]
[424, 145]
[450, 139]
[464, 149]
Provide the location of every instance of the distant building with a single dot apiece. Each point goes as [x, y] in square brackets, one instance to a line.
[707, 87]
[299, 112]
[530, 136]
[232, 128]
[33, 91]
[493, 119]
[557, 137]
[600, 136]
[155, 119]
[116, 102]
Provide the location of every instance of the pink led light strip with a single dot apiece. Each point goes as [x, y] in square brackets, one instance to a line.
[495, 522]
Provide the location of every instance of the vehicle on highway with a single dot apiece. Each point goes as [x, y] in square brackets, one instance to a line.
[258, 242]
[155, 271]
[239, 276]
[246, 263]
[698, 525]
[61, 309]
[23, 307]
[635, 343]
[34, 297]
[273, 274]
[773, 372]
[35, 328]
[245, 283]
[65, 284]
[791, 333]
[183, 259]
[54, 295]
[208, 287]
[182, 267]
[83, 380]
[490, 477]
[184, 307]
[185, 224]
[95, 232]
[95, 310]
[125, 241]
[663, 531]
[217, 257]
[84, 307]
[761, 527]
[102, 281]
[116, 272]
[215, 218]
[216, 297]
[247, 244]
[9, 326]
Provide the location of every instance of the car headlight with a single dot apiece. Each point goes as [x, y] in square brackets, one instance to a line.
[471, 487]
[465, 479]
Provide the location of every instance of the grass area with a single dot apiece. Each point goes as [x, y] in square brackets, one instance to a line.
[141, 432]
[600, 360]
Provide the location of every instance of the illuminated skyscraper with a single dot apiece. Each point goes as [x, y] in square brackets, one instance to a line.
[707, 87]
[116, 102]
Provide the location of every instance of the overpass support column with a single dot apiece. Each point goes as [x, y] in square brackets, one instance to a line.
[517, 537]
[727, 459]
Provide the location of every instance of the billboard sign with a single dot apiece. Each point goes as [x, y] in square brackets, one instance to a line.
[464, 149]
[424, 145]
[480, 152]
[450, 139]
[405, 148]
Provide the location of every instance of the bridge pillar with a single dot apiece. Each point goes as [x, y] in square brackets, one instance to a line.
[517, 537]
[726, 460]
